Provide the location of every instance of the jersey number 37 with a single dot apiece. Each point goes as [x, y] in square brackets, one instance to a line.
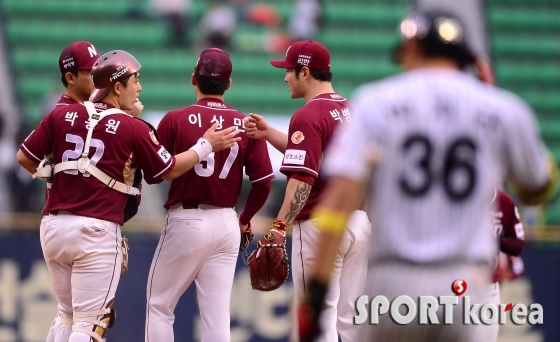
[210, 164]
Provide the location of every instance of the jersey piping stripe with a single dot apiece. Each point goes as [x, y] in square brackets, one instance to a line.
[163, 170]
[152, 279]
[333, 100]
[114, 265]
[214, 108]
[288, 167]
[63, 104]
[256, 180]
[301, 256]
[34, 156]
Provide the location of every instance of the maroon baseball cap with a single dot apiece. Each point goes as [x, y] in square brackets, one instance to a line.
[77, 56]
[215, 64]
[307, 53]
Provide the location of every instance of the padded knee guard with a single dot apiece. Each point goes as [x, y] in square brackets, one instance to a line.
[100, 326]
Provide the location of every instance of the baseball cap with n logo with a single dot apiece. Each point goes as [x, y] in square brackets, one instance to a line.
[307, 53]
[77, 56]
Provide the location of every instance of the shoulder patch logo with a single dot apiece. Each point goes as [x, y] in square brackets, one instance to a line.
[154, 139]
[297, 137]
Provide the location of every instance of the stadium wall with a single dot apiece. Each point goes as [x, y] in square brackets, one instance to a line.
[28, 305]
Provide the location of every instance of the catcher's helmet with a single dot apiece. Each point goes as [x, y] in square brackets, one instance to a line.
[441, 33]
[109, 69]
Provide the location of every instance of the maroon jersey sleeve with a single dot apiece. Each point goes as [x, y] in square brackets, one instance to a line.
[257, 163]
[305, 144]
[39, 143]
[166, 132]
[152, 157]
[512, 240]
[259, 170]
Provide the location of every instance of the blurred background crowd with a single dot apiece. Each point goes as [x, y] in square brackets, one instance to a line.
[520, 37]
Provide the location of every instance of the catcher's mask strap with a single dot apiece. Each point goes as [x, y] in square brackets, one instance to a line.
[84, 164]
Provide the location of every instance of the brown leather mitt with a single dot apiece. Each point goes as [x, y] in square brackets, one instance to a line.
[268, 264]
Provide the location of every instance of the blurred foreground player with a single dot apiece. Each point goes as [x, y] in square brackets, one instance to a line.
[430, 145]
[96, 149]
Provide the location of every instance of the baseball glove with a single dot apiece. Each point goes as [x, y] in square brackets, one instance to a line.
[268, 264]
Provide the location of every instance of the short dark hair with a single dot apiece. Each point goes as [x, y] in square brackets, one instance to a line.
[319, 75]
[63, 77]
[209, 86]
[455, 53]
[124, 80]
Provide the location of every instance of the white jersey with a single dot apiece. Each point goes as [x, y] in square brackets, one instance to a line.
[447, 140]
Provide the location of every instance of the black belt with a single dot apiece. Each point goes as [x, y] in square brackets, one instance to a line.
[187, 205]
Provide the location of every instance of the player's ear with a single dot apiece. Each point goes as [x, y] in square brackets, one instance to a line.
[70, 78]
[305, 73]
[193, 79]
[229, 84]
[117, 88]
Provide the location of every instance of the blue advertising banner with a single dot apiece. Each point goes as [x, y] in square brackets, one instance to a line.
[28, 305]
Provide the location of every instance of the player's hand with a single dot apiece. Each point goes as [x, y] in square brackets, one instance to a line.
[308, 323]
[220, 140]
[246, 235]
[309, 311]
[243, 227]
[137, 110]
[255, 126]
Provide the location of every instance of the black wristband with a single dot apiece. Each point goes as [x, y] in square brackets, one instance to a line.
[316, 292]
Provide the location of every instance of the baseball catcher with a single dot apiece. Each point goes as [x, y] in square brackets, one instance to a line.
[268, 264]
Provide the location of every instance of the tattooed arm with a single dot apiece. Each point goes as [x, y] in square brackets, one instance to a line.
[297, 193]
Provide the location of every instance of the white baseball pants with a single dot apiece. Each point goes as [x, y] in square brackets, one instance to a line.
[84, 256]
[489, 333]
[393, 279]
[348, 278]
[195, 244]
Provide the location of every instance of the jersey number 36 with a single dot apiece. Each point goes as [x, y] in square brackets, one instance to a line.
[457, 173]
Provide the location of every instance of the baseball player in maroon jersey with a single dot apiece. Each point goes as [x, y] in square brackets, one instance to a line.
[507, 227]
[80, 231]
[308, 76]
[75, 63]
[200, 239]
[511, 238]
